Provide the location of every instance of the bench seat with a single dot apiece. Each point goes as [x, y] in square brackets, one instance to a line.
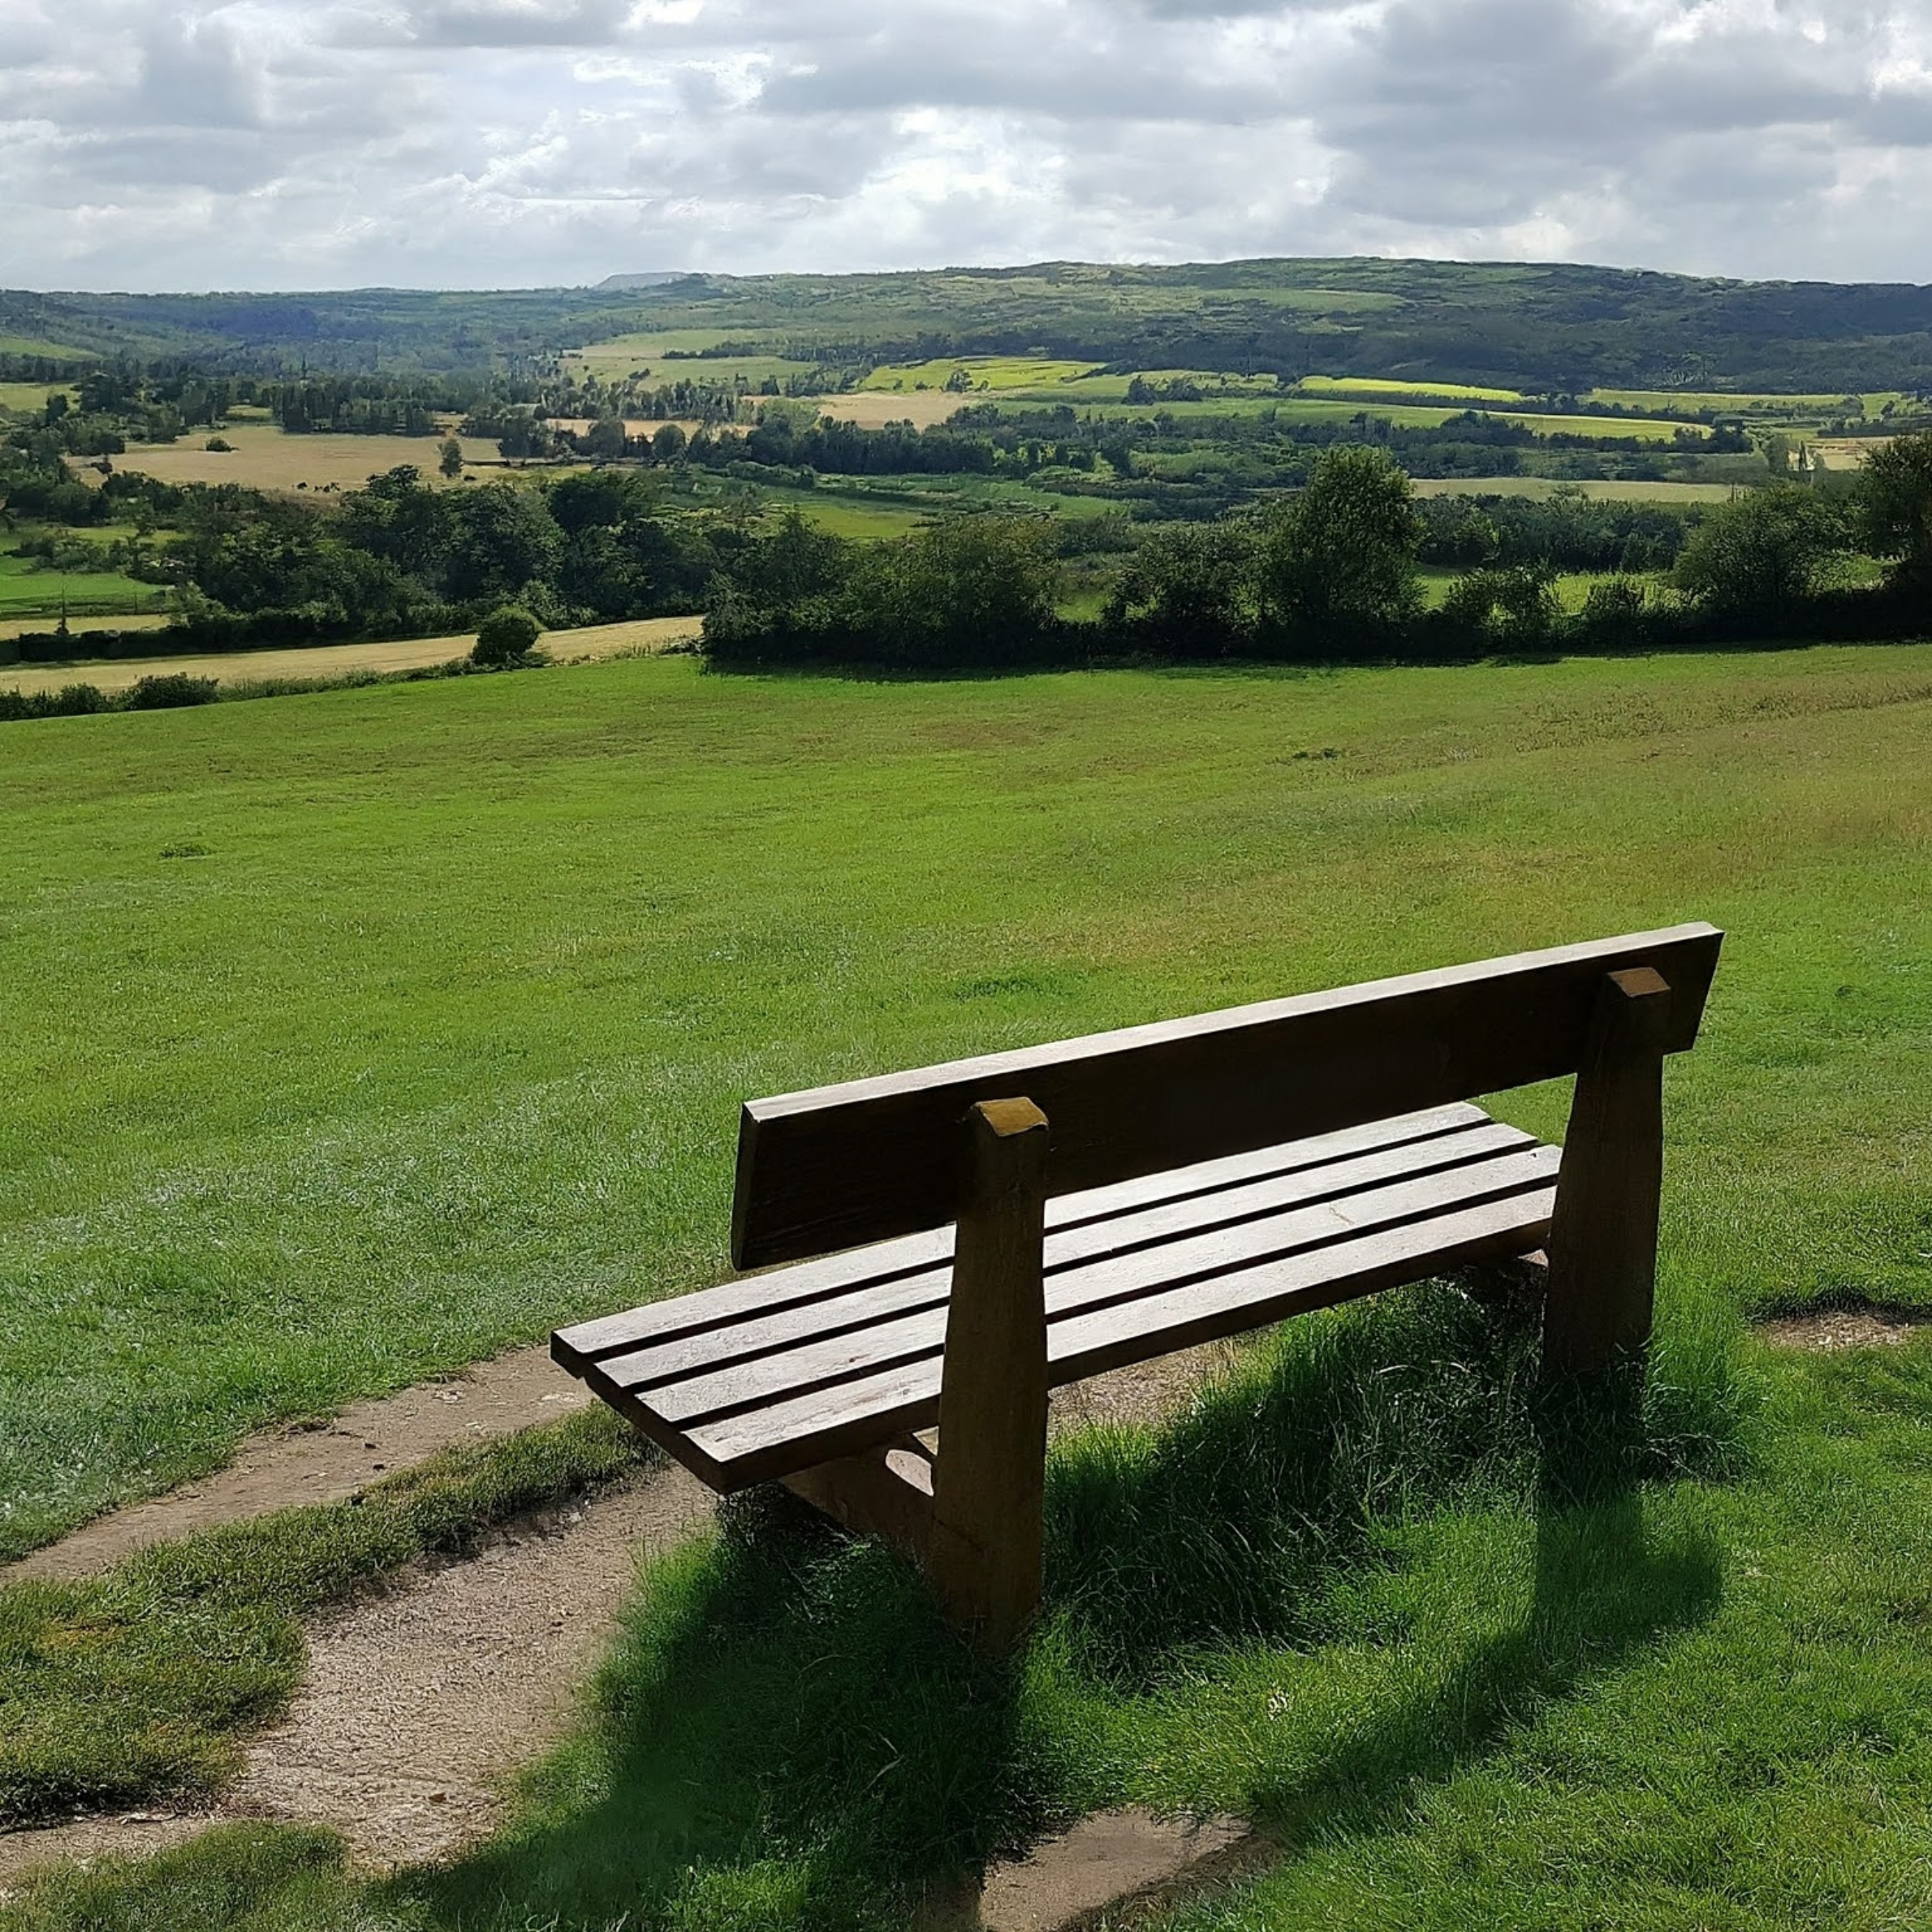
[770, 1375]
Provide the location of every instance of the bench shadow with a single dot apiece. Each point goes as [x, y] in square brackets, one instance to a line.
[790, 1736]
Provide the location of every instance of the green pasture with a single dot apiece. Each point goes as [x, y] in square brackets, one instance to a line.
[1614, 491]
[29, 345]
[28, 589]
[842, 514]
[31, 398]
[370, 1031]
[1572, 587]
[1752, 404]
[986, 372]
[621, 354]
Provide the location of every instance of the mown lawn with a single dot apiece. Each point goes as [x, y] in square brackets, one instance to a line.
[357, 1035]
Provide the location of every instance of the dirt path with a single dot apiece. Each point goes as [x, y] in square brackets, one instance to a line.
[421, 1698]
[325, 1462]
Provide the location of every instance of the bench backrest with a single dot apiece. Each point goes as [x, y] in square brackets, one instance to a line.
[838, 1166]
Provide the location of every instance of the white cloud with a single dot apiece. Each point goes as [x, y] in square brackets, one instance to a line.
[270, 143]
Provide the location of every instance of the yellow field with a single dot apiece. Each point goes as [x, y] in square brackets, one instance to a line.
[341, 660]
[266, 457]
[1374, 386]
[871, 408]
[31, 397]
[19, 627]
[1607, 492]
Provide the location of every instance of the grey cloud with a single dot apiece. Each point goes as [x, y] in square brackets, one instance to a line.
[467, 140]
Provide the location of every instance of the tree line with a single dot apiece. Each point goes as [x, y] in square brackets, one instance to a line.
[1332, 573]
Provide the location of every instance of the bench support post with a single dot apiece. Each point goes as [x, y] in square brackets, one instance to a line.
[989, 1485]
[1603, 1229]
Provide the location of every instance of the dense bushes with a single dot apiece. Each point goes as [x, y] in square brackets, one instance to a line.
[971, 590]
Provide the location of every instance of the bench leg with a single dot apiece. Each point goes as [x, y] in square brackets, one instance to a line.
[989, 1485]
[1603, 1230]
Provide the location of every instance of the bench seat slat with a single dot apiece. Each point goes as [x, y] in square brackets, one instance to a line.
[764, 1385]
[761, 1444]
[1194, 1258]
[870, 1300]
[760, 1295]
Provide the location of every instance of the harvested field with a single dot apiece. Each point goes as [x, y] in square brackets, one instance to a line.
[1616, 491]
[342, 660]
[872, 408]
[266, 457]
[20, 627]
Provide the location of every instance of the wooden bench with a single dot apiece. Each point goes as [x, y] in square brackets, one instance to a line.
[948, 1244]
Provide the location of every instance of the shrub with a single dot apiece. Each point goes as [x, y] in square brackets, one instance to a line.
[506, 637]
[220, 445]
[1760, 556]
[1510, 607]
[170, 690]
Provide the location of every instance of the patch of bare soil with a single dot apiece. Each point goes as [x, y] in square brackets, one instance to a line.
[421, 1699]
[325, 1462]
[1871, 1325]
[1130, 1859]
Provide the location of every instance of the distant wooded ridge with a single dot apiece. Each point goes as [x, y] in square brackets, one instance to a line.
[1538, 327]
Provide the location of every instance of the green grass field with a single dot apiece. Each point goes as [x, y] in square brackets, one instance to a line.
[31, 398]
[1615, 490]
[29, 590]
[370, 1031]
[988, 371]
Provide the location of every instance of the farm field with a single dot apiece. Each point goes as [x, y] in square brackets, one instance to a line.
[28, 589]
[994, 372]
[447, 994]
[339, 660]
[267, 457]
[1372, 386]
[15, 627]
[1613, 490]
[30, 397]
[620, 355]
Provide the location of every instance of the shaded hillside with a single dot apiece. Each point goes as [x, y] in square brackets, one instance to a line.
[1553, 327]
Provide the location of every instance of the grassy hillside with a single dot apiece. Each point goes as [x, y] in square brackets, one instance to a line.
[371, 1030]
[1513, 326]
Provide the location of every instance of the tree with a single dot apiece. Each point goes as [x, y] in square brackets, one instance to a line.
[1894, 501]
[505, 638]
[1186, 588]
[1762, 553]
[450, 459]
[1339, 559]
[604, 440]
[668, 444]
[1508, 607]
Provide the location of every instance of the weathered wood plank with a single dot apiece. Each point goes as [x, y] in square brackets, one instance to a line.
[756, 1445]
[871, 1303]
[694, 1315]
[990, 1481]
[1122, 1279]
[1603, 1234]
[869, 1160]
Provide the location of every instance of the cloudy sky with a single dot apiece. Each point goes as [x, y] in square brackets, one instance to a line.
[293, 143]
